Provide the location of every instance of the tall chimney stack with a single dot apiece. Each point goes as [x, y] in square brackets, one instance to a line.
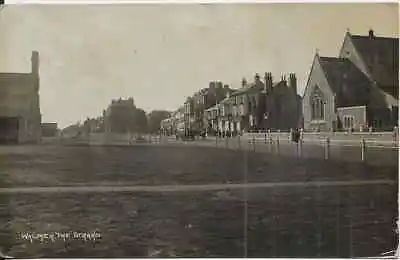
[211, 85]
[371, 34]
[35, 63]
[244, 82]
[268, 81]
[293, 82]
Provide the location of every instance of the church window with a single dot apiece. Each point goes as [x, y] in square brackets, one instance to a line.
[348, 122]
[317, 105]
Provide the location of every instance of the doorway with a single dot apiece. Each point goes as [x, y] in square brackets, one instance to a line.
[9, 128]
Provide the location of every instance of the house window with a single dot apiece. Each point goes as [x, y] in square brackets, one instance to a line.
[317, 105]
[254, 105]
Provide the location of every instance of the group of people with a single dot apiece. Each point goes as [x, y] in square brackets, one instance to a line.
[295, 135]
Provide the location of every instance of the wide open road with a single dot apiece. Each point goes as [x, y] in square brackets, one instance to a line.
[191, 201]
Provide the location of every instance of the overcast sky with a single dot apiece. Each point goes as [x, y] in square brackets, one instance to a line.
[159, 54]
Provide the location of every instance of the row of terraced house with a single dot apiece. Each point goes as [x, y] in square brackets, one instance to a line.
[358, 90]
[256, 105]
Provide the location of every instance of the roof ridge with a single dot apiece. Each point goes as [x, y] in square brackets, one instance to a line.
[333, 58]
[375, 37]
[13, 73]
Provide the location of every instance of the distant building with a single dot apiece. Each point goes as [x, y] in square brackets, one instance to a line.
[203, 100]
[258, 106]
[188, 114]
[242, 112]
[115, 116]
[49, 129]
[179, 120]
[283, 104]
[20, 117]
[358, 89]
[71, 130]
[167, 126]
[175, 123]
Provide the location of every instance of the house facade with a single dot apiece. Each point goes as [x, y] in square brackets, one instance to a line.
[49, 129]
[201, 101]
[188, 114]
[356, 90]
[20, 117]
[248, 106]
[283, 104]
[258, 106]
[175, 123]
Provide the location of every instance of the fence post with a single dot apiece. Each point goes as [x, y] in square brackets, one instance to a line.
[254, 143]
[265, 137]
[301, 134]
[277, 145]
[270, 143]
[327, 148]
[363, 150]
[300, 147]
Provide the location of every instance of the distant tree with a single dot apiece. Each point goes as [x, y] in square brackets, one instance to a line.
[122, 119]
[154, 119]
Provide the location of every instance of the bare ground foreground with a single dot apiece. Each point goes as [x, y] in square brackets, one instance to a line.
[358, 219]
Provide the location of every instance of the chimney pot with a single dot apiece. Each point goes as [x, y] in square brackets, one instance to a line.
[293, 82]
[371, 33]
[35, 62]
[244, 82]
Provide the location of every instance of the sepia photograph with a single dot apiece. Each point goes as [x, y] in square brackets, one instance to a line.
[201, 130]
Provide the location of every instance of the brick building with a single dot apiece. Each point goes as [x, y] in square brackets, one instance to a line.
[49, 129]
[20, 117]
[202, 100]
[283, 104]
[188, 114]
[258, 106]
[248, 106]
[356, 90]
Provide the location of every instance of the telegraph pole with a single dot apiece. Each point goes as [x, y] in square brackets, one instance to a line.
[217, 113]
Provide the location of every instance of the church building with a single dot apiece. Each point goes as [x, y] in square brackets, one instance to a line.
[356, 90]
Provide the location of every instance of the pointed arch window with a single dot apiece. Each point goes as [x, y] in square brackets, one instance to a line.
[317, 105]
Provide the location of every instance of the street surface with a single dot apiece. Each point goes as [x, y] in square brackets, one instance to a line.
[185, 200]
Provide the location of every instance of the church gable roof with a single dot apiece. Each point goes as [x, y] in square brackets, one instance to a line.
[380, 55]
[346, 81]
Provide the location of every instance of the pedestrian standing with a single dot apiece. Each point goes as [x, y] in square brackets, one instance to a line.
[395, 133]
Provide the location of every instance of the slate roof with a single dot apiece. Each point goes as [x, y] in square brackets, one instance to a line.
[350, 85]
[226, 100]
[15, 77]
[250, 87]
[381, 56]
